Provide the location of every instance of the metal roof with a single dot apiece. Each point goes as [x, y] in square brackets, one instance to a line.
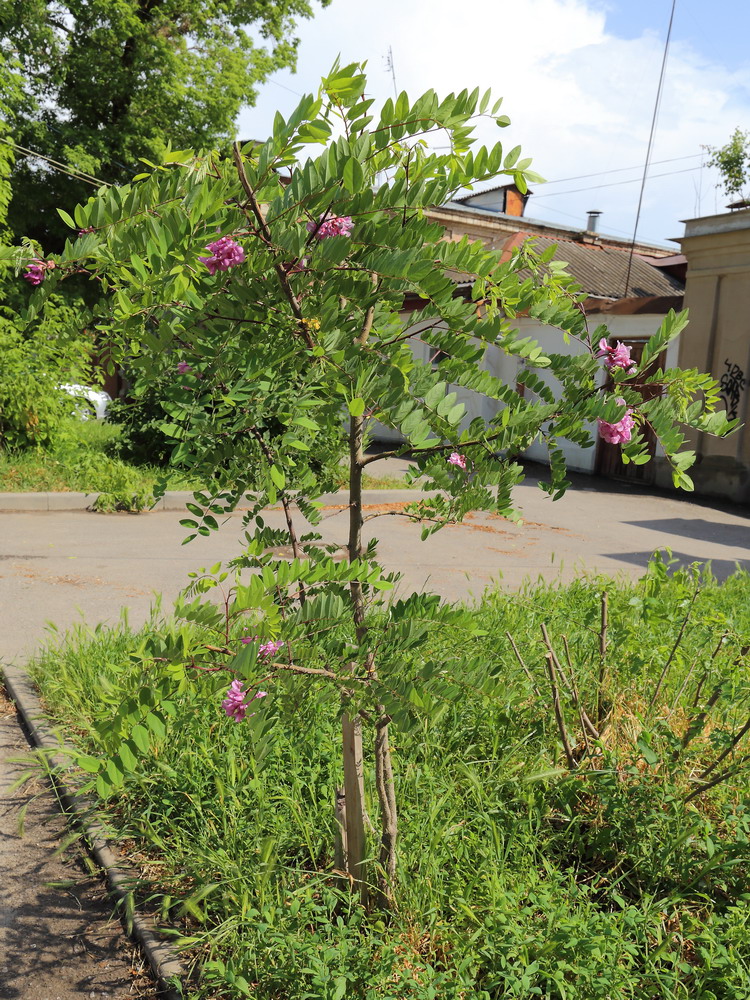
[601, 271]
[520, 221]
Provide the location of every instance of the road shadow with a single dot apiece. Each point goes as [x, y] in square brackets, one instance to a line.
[735, 535]
[721, 568]
[590, 483]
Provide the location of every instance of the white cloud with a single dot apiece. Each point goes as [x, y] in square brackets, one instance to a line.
[580, 99]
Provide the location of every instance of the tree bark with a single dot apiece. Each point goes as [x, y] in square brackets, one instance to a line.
[388, 815]
[351, 727]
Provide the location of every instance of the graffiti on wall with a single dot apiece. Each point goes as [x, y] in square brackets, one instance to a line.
[731, 384]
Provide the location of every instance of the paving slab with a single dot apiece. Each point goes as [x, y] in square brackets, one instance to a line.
[58, 938]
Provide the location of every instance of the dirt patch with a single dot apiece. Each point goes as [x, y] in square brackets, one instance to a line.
[75, 581]
[386, 508]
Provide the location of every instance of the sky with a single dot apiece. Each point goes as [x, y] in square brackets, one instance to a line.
[579, 81]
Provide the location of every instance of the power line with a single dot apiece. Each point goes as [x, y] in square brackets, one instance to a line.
[61, 168]
[619, 170]
[654, 117]
[633, 180]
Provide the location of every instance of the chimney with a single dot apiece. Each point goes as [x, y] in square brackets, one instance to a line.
[592, 221]
[515, 202]
[505, 198]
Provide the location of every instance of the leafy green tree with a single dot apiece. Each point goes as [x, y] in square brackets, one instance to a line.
[272, 309]
[99, 84]
[733, 163]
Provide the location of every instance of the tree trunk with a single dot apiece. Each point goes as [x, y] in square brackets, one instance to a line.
[388, 815]
[351, 727]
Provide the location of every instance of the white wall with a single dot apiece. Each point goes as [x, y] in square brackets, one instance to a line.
[508, 368]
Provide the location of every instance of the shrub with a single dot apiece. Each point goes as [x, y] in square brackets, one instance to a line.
[140, 418]
[33, 410]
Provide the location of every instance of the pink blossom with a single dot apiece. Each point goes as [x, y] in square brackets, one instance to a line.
[225, 253]
[235, 705]
[615, 357]
[456, 459]
[622, 431]
[35, 272]
[183, 367]
[339, 225]
[269, 649]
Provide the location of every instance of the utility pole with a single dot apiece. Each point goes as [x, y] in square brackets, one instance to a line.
[389, 64]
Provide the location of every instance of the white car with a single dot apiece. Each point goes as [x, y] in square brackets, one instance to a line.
[90, 401]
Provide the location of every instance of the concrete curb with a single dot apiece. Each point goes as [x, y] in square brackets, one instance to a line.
[177, 499]
[162, 957]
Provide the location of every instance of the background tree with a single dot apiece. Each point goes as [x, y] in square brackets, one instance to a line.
[97, 84]
[733, 163]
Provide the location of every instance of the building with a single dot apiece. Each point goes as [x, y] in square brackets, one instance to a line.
[717, 340]
[628, 291]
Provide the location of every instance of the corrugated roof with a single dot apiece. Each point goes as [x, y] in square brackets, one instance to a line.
[545, 224]
[601, 270]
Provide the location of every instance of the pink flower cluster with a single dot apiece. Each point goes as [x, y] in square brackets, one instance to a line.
[35, 272]
[235, 704]
[225, 253]
[622, 431]
[340, 225]
[615, 357]
[266, 649]
[456, 459]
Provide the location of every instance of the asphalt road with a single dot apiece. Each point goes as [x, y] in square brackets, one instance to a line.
[65, 566]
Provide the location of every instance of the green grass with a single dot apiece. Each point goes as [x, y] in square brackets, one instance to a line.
[80, 463]
[516, 878]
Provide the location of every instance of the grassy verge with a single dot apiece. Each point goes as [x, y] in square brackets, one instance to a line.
[517, 878]
[80, 463]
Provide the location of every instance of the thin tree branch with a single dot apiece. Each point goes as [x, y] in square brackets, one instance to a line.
[265, 234]
[525, 669]
[551, 673]
[677, 642]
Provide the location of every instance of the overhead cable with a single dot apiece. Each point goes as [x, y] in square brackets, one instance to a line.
[654, 117]
[62, 168]
[633, 180]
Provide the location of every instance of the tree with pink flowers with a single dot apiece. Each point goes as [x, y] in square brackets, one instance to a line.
[272, 286]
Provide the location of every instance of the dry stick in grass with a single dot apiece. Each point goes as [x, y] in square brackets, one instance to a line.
[725, 753]
[730, 772]
[569, 683]
[602, 659]
[739, 734]
[586, 723]
[525, 669]
[689, 674]
[699, 688]
[678, 640]
[389, 816]
[697, 726]
[576, 699]
[552, 674]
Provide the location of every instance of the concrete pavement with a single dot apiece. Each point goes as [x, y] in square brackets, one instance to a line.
[68, 566]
